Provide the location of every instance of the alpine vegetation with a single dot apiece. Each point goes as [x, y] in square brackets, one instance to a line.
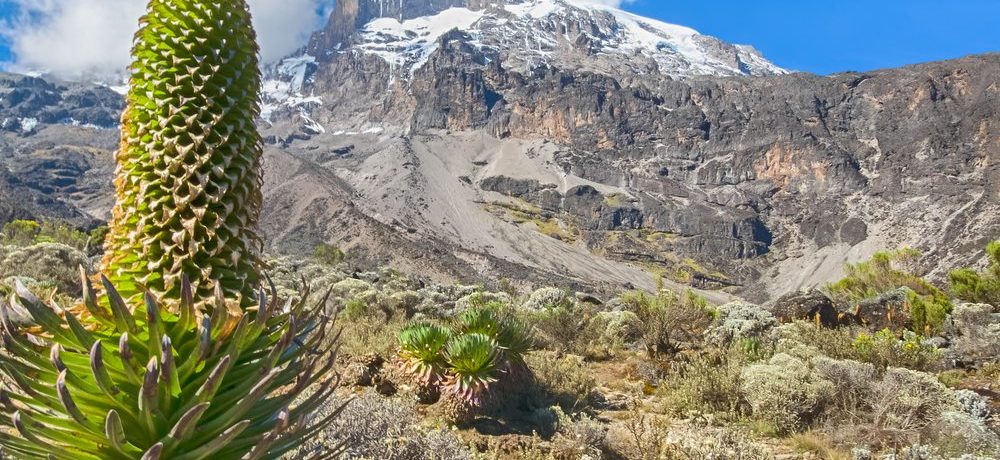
[178, 353]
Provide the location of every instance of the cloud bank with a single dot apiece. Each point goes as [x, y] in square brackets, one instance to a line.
[88, 38]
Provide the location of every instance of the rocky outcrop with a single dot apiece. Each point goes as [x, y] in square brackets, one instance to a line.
[762, 184]
[757, 171]
[26, 101]
[351, 15]
[808, 305]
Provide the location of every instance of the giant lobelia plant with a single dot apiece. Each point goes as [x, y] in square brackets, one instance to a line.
[177, 353]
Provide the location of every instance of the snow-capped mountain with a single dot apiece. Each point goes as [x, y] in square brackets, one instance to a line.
[568, 34]
[570, 143]
[571, 35]
[527, 33]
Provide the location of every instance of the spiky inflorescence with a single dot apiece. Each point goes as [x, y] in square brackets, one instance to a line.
[189, 177]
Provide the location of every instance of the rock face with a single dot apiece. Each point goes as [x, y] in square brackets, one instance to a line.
[586, 144]
[768, 183]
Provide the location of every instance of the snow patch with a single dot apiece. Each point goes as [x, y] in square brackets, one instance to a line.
[527, 30]
[284, 89]
[408, 44]
[28, 124]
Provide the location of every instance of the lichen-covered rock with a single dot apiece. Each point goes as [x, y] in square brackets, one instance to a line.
[976, 329]
[887, 311]
[974, 404]
[738, 321]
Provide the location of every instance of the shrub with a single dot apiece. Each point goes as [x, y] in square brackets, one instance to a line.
[20, 233]
[670, 322]
[642, 436]
[483, 299]
[647, 437]
[546, 299]
[959, 433]
[563, 380]
[564, 326]
[739, 321]
[979, 287]
[376, 427]
[884, 349]
[784, 392]
[52, 264]
[852, 383]
[369, 334]
[27, 232]
[328, 254]
[888, 271]
[355, 309]
[904, 403]
[835, 343]
[708, 383]
[350, 287]
[615, 330]
[580, 437]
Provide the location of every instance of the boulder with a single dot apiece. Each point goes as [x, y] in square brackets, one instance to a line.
[810, 305]
[890, 310]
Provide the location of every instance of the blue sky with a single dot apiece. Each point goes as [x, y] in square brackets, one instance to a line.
[828, 35]
[5, 12]
[824, 36]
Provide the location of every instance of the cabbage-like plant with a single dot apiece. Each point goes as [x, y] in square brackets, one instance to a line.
[511, 334]
[421, 347]
[473, 360]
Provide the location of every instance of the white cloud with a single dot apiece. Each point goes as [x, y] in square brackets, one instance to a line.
[77, 38]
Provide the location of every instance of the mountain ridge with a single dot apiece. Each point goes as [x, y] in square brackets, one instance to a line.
[587, 169]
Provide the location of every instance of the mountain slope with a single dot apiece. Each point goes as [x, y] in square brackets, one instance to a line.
[761, 183]
[565, 143]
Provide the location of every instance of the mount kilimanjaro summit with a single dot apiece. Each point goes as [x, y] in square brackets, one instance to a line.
[571, 143]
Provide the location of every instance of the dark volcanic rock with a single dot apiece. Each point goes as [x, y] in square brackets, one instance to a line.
[809, 305]
[23, 97]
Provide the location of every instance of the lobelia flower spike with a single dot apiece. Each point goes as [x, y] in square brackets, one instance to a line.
[176, 356]
[188, 177]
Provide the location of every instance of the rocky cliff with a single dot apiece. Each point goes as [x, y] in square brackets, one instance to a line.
[545, 138]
